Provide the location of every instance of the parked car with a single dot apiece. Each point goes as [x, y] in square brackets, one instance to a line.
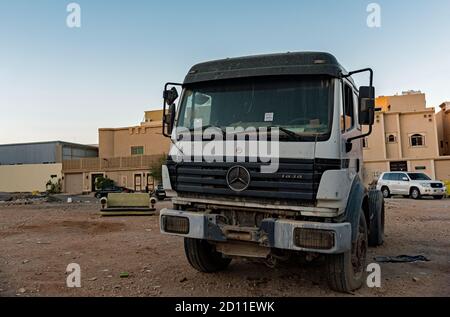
[414, 185]
[160, 193]
[111, 189]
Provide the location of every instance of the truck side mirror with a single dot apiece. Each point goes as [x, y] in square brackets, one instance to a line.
[169, 119]
[170, 96]
[366, 105]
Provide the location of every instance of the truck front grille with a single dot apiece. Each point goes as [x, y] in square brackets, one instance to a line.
[296, 179]
[436, 185]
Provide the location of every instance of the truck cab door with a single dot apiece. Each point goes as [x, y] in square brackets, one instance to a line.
[350, 128]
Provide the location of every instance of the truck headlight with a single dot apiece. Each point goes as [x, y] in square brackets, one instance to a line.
[175, 224]
[425, 185]
[313, 238]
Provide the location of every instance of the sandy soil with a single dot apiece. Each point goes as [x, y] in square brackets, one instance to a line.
[38, 241]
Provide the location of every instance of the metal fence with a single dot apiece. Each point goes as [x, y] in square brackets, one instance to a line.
[105, 164]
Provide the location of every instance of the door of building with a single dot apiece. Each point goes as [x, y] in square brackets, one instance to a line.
[150, 183]
[73, 183]
[401, 166]
[137, 182]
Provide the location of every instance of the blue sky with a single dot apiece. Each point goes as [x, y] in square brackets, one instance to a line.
[62, 83]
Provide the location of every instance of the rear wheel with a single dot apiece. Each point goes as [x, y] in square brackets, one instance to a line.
[415, 193]
[386, 192]
[203, 257]
[376, 221]
[346, 271]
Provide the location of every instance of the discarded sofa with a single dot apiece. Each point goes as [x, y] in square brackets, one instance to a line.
[125, 204]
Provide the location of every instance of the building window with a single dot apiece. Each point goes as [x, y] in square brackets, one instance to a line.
[137, 150]
[417, 140]
[391, 138]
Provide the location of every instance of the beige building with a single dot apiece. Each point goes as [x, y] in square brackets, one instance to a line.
[27, 167]
[125, 156]
[443, 126]
[28, 178]
[407, 137]
[145, 139]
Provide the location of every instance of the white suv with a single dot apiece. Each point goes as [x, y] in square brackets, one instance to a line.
[414, 185]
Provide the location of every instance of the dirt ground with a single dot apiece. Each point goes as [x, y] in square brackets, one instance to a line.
[38, 241]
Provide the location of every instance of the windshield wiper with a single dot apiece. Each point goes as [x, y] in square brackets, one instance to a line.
[224, 132]
[203, 128]
[291, 134]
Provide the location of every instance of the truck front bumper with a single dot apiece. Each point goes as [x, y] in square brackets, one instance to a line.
[320, 237]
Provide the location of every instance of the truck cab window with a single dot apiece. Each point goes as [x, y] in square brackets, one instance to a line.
[303, 105]
[198, 108]
[348, 118]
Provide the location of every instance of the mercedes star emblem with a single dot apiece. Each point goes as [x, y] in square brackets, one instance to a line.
[238, 178]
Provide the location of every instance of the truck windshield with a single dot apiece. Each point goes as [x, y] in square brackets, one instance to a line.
[418, 177]
[301, 105]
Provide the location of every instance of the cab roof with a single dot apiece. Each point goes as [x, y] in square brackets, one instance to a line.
[297, 63]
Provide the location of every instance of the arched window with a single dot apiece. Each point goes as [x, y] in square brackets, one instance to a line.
[417, 140]
[391, 138]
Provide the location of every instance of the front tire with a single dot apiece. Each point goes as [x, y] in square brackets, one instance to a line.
[386, 192]
[346, 271]
[415, 193]
[203, 257]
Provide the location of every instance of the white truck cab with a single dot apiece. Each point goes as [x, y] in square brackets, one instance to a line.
[266, 162]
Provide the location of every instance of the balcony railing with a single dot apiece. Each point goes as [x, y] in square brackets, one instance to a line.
[109, 164]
